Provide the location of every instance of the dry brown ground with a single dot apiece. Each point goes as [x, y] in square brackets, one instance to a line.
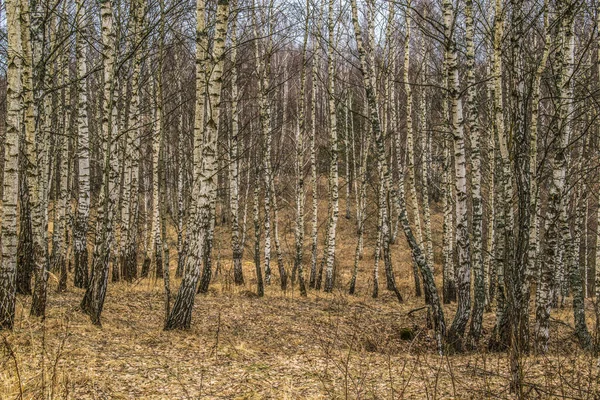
[281, 346]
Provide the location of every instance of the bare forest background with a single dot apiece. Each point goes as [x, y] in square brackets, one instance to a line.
[300, 199]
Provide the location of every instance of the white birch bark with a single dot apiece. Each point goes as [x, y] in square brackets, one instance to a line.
[413, 204]
[234, 162]
[8, 268]
[551, 258]
[463, 278]
[333, 168]
[204, 192]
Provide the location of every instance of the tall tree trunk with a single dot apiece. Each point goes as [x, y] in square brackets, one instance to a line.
[477, 222]
[130, 269]
[8, 268]
[59, 234]
[489, 253]
[204, 188]
[425, 158]
[413, 203]
[93, 300]
[550, 257]
[463, 278]
[313, 172]
[35, 143]
[333, 168]
[506, 220]
[234, 162]
[156, 220]
[263, 58]
[80, 278]
[300, 135]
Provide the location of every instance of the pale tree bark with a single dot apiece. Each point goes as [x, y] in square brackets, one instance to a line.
[35, 142]
[180, 203]
[477, 211]
[59, 234]
[125, 191]
[448, 272]
[533, 149]
[93, 300]
[263, 58]
[488, 255]
[156, 246]
[204, 193]
[426, 158]
[385, 172]
[313, 171]
[463, 278]
[278, 252]
[8, 268]
[300, 135]
[413, 204]
[164, 177]
[505, 228]
[333, 138]
[80, 230]
[130, 270]
[550, 257]
[260, 289]
[380, 221]
[234, 162]
[448, 276]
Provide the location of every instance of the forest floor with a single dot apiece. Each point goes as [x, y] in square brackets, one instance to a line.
[281, 346]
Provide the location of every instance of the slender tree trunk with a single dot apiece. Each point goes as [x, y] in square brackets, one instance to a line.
[426, 159]
[313, 172]
[205, 187]
[8, 268]
[234, 162]
[264, 69]
[410, 150]
[505, 227]
[477, 222]
[300, 135]
[550, 256]
[463, 278]
[156, 235]
[35, 146]
[59, 234]
[489, 253]
[535, 111]
[333, 171]
[93, 300]
[130, 269]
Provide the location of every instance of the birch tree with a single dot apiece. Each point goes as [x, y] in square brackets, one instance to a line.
[204, 191]
[463, 278]
[333, 138]
[8, 270]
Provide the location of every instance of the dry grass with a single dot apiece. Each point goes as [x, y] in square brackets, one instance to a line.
[281, 346]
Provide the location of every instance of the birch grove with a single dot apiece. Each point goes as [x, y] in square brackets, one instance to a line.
[201, 143]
